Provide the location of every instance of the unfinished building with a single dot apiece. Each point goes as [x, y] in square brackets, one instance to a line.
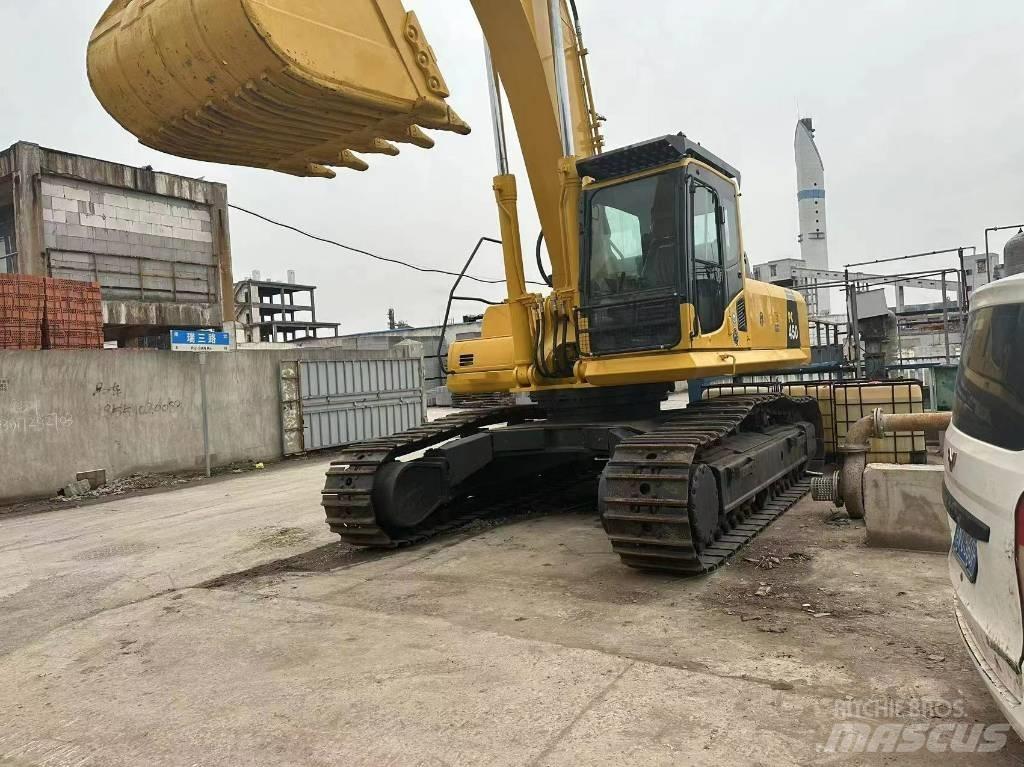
[156, 244]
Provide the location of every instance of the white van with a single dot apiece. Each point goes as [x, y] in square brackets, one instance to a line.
[984, 491]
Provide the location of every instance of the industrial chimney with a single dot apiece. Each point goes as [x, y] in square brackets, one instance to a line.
[810, 195]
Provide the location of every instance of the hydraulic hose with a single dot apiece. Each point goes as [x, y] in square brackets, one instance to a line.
[540, 263]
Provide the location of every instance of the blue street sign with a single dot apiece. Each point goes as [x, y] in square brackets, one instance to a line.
[200, 341]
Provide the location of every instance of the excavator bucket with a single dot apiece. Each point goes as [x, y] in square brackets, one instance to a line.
[295, 86]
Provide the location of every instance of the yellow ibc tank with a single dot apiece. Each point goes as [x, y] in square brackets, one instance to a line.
[290, 85]
[822, 392]
[855, 400]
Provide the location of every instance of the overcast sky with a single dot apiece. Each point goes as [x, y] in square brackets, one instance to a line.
[918, 108]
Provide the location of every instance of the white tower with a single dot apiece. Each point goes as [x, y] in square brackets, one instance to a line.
[810, 195]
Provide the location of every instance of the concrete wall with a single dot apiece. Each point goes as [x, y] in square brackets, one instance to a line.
[137, 411]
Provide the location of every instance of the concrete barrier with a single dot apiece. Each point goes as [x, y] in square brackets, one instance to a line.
[903, 507]
[126, 411]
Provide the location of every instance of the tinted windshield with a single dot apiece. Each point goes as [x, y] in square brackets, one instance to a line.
[990, 385]
[633, 237]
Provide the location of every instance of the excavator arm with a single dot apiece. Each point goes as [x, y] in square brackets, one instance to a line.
[648, 287]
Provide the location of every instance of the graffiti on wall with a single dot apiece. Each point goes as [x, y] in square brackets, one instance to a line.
[27, 417]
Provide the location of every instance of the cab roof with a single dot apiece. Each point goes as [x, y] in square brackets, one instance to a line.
[651, 154]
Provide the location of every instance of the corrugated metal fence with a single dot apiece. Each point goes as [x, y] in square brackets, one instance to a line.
[330, 403]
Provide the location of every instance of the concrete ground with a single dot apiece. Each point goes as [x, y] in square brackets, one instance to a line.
[220, 624]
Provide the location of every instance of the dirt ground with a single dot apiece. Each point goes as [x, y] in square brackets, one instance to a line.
[221, 624]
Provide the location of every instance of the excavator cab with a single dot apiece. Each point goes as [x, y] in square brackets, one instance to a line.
[659, 231]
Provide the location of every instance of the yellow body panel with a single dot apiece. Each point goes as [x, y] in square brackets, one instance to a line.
[764, 345]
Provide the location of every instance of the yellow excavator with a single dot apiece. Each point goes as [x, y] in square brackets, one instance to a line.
[648, 277]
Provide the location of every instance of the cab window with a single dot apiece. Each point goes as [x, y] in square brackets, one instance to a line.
[632, 239]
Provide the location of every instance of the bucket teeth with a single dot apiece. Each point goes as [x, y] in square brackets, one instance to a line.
[415, 136]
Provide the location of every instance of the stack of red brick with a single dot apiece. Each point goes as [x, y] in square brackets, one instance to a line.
[72, 315]
[21, 312]
[47, 313]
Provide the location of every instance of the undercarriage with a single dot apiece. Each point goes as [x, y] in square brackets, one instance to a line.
[678, 490]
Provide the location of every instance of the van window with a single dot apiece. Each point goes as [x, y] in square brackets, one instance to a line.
[990, 385]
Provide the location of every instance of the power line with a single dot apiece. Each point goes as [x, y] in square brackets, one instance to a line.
[396, 261]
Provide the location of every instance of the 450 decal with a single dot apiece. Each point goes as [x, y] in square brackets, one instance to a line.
[792, 325]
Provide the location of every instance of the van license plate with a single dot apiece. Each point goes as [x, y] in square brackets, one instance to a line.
[965, 548]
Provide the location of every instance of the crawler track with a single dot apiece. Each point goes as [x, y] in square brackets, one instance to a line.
[347, 495]
[647, 504]
[655, 494]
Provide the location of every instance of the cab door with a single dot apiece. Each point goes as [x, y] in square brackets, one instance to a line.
[706, 256]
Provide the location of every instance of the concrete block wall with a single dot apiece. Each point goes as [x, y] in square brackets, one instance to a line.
[903, 507]
[62, 412]
[136, 245]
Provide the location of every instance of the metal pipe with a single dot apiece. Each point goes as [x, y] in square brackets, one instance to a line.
[877, 280]
[846, 487]
[561, 76]
[945, 318]
[851, 298]
[912, 255]
[963, 284]
[497, 114]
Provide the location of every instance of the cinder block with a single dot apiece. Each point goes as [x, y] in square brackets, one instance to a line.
[95, 477]
[204, 236]
[76, 193]
[47, 214]
[903, 507]
[115, 200]
[51, 189]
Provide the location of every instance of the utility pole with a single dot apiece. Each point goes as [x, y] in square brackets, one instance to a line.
[392, 324]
